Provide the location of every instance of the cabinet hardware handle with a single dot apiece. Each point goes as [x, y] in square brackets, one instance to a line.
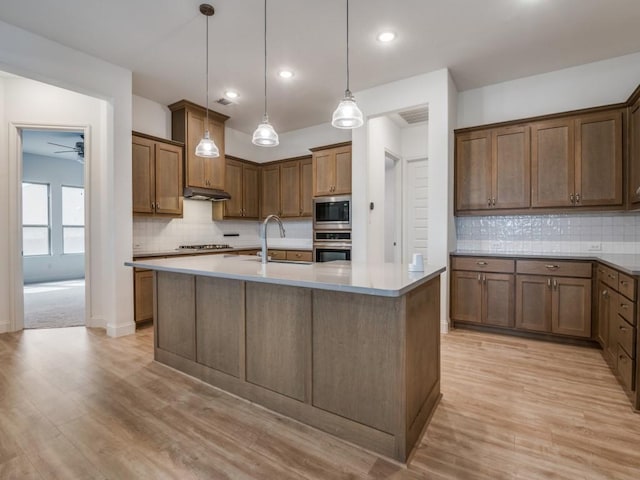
[605, 293]
[481, 263]
[552, 267]
[601, 271]
[488, 202]
[621, 357]
[480, 277]
[153, 206]
[555, 284]
[623, 282]
[624, 305]
[610, 276]
[572, 198]
[484, 278]
[549, 283]
[622, 329]
[577, 198]
[493, 202]
[157, 205]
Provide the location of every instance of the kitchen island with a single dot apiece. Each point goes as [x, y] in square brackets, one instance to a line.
[351, 349]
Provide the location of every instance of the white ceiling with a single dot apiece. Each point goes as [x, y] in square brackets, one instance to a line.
[40, 142]
[480, 41]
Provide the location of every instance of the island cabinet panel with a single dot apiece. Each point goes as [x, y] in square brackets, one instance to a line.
[278, 329]
[176, 314]
[219, 310]
[357, 357]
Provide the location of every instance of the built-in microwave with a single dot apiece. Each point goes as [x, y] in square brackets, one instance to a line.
[332, 213]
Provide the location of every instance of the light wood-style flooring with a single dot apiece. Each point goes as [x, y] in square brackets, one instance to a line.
[75, 404]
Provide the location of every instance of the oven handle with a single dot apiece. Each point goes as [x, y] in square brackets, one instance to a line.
[334, 246]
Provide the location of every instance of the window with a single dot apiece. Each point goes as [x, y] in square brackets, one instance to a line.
[35, 219]
[72, 220]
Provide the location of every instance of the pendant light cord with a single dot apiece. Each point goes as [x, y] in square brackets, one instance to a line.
[348, 46]
[206, 127]
[265, 58]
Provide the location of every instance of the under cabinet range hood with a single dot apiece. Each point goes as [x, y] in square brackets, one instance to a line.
[211, 194]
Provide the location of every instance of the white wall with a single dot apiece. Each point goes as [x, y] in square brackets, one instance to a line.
[415, 141]
[56, 172]
[599, 83]
[28, 55]
[151, 117]
[438, 92]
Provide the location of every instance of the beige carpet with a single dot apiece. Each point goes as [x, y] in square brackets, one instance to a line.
[54, 304]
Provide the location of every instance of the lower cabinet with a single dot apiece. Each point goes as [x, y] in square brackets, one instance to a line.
[143, 295]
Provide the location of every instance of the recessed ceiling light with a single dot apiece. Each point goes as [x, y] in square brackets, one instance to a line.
[231, 94]
[386, 37]
[285, 73]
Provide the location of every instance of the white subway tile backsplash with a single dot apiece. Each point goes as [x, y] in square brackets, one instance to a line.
[616, 232]
[197, 227]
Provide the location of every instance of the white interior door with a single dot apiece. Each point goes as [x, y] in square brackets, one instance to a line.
[417, 210]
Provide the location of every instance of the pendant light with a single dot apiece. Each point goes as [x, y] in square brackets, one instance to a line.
[207, 147]
[347, 115]
[265, 135]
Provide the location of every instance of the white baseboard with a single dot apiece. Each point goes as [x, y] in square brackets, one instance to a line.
[121, 330]
[444, 326]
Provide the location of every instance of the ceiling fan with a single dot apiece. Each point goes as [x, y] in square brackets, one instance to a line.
[79, 148]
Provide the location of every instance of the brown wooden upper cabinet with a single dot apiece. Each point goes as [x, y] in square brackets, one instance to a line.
[156, 176]
[188, 126]
[286, 188]
[331, 170]
[242, 180]
[577, 161]
[634, 153]
[492, 169]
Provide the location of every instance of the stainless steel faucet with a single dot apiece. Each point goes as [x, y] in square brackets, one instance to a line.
[263, 235]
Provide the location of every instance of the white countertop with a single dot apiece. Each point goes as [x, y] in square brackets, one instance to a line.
[627, 262]
[380, 279]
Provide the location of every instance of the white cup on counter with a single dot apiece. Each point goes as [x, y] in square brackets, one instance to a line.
[417, 263]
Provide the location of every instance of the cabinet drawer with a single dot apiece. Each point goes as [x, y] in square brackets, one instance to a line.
[626, 309]
[608, 275]
[553, 267]
[624, 365]
[483, 264]
[626, 335]
[300, 256]
[278, 254]
[627, 286]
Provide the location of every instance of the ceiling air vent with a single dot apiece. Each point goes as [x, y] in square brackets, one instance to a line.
[224, 101]
[417, 115]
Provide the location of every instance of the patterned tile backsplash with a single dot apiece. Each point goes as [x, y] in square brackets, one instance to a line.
[196, 227]
[608, 233]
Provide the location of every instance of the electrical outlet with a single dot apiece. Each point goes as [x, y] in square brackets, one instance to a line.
[595, 247]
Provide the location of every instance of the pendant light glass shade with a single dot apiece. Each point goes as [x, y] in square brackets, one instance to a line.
[207, 147]
[265, 135]
[347, 115]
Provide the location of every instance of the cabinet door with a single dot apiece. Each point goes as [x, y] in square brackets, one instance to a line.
[466, 296]
[195, 166]
[473, 171]
[143, 294]
[612, 343]
[168, 179]
[233, 186]
[214, 168]
[533, 303]
[497, 302]
[599, 159]
[342, 182]
[634, 155]
[571, 311]
[306, 188]
[552, 164]
[290, 189]
[270, 191]
[250, 191]
[142, 161]
[604, 307]
[511, 172]
[176, 322]
[323, 173]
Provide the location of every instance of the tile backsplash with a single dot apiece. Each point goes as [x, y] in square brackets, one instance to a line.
[152, 234]
[608, 233]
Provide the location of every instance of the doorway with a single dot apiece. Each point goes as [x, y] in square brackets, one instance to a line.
[53, 227]
[392, 209]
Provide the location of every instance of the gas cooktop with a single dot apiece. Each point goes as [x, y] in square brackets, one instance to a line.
[208, 246]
